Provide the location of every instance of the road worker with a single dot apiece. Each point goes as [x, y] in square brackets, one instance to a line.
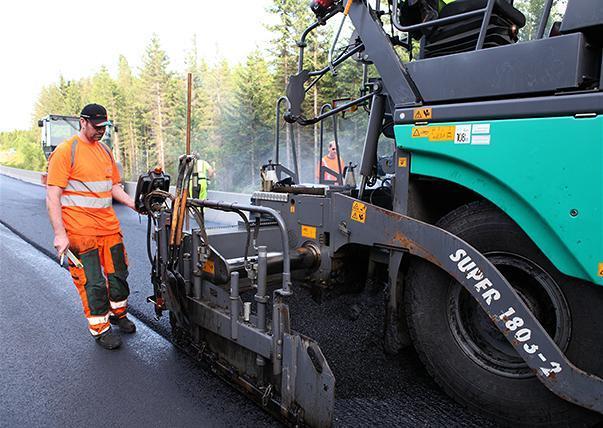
[202, 173]
[330, 161]
[83, 179]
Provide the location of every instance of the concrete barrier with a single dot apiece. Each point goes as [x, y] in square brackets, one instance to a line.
[214, 216]
[34, 177]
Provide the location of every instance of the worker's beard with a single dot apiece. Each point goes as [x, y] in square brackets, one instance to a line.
[98, 137]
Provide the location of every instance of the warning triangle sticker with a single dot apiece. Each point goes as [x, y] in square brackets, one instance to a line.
[416, 133]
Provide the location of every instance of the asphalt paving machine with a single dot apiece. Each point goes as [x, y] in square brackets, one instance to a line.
[487, 225]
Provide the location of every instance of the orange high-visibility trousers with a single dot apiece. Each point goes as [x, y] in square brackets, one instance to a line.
[102, 282]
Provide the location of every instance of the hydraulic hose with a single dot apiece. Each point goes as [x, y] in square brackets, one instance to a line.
[223, 206]
[149, 255]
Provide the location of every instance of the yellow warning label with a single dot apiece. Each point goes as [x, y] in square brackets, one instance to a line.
[434, 133]
[358, 212]
[308, 231]
[209, 267]
[601, 269]
[441, 133]
[421, 114]
[402, 162]
[420, 132]
[292, 209]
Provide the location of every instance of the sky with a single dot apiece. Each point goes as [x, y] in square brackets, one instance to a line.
[44, 40]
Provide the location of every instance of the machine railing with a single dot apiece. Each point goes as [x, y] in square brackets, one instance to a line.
[546, 13]
[485, 11]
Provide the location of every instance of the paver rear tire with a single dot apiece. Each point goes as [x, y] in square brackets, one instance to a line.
[465, 353]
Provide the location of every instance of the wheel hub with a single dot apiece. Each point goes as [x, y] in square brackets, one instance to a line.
[479, 337]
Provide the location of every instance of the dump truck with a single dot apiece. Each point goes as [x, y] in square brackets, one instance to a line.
[487, 224]
[57, 128]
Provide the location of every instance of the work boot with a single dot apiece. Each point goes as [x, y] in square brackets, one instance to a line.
[124, 324]
[108, 340]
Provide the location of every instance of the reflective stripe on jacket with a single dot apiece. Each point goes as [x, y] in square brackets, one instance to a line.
[86, 172]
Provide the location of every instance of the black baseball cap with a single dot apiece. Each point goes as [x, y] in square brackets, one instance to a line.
[96, 114]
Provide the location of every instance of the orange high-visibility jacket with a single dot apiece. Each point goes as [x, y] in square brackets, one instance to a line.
[332, 164]
[87, 173]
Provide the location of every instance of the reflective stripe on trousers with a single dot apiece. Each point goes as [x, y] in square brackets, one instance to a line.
[98, 333]
[118, 305]
[98, 320]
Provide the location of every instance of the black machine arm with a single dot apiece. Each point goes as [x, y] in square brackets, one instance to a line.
[375, 46]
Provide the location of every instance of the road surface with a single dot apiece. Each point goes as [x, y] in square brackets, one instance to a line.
[51, 366]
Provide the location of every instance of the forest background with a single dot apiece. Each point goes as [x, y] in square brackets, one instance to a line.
[233, 105]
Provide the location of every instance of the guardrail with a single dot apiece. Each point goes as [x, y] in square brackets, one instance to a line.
[220, 217]
[22, 174]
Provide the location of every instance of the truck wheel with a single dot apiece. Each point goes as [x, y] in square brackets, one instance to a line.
[468, 356]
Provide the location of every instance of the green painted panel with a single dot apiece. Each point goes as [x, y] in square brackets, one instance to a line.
[546, 174]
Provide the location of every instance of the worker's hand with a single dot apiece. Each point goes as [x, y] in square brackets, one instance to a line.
[61, 243]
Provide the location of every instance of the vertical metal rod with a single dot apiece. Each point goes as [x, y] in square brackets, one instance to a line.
[336, 139]
[189, 93]
[294, 152]
[544, 19]
[260, 296]
[246, 311]
[261, 299]
[277, 343]
[485, 23]
[322, 140]
[300, 59]
[163, 240]
[373, 130]
[196, 272]
[186, 270]
[188, 113]
[234, 305]
[277, 136]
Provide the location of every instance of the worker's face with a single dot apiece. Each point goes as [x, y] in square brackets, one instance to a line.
[91, 132]
[332, 151]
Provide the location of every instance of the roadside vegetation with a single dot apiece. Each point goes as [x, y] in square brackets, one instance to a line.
[21, 149]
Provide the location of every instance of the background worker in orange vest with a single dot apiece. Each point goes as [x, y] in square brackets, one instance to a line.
[83, 180]
[330, 161]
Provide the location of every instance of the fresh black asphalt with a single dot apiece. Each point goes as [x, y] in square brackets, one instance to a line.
[53, 374]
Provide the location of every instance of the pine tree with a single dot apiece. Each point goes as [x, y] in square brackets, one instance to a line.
[104, 91]
[202, 108]
[158, 96]
[219, 87]
[128, 110]
[248, 138]
[64, 98]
